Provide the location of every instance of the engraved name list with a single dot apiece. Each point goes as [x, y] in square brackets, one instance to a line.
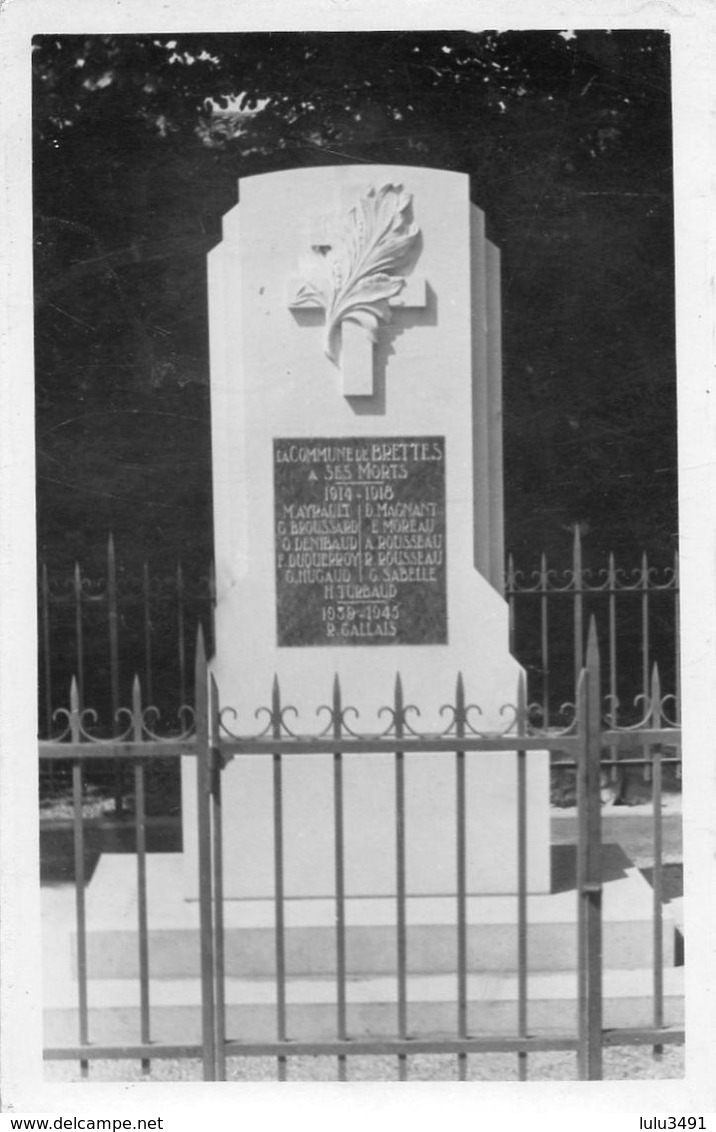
[360, 541]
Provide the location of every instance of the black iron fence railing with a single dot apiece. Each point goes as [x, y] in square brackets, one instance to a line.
[103, 630]
[636, 611]
[585, 745]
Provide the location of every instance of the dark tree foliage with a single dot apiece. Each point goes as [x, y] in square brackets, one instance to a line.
[139, 142]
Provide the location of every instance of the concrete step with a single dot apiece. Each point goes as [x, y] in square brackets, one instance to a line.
[175, 993]
[310, 939]
[371, 1007]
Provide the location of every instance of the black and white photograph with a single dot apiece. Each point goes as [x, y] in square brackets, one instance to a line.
[358, 574]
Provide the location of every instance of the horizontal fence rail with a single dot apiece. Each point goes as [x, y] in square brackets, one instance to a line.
[587, 744]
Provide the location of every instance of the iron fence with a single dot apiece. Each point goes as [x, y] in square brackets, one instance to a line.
[636, 611]
[99, 631]
[584, 744]
[102, 630]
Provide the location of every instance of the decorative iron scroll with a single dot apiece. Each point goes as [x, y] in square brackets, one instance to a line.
[653, 707]
[135, 724]
[519, 719]
[613, 579]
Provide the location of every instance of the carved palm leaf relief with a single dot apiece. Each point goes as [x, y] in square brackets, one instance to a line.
[352, 274]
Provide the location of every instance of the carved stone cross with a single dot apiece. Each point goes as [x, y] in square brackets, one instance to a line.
[352, 274]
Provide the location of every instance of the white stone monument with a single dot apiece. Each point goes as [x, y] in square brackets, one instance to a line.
[355, 380]
[357, 471]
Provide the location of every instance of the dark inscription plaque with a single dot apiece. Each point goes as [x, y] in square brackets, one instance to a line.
[360, 541]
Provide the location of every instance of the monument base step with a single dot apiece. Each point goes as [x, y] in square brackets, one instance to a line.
[175, 991]
[310, 939]
[114, 1016]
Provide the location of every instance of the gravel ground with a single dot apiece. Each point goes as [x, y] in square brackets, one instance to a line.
[624, 1063]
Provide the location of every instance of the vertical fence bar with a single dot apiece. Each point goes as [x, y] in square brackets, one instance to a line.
[47, 666]
[583, 1001]
[401, 922]
[181, 653]
[677, 651]
[80, 909]
[578, 604]
[657, 883]
[279, 912]
[544, 638]
[113, 620]
[337, 712]
[612, 588]
[595, 858]
[582, 996]
[461, 830]
[589, 869]
[212, 602]
[146, 606]
[141, 849]
[510, 589]
[203, 790]
[612, 591]
[218, 895]
[645, 674]
[79, 642]
[522, 877]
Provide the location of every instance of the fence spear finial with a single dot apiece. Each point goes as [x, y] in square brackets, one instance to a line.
[200, 648]
[398, 705]
[74, 710]
[460, 713]
[521, 703]
[655, 697]
[336, 707]
[214, 711]
[592, 642]
[136, 708]
[276, 707]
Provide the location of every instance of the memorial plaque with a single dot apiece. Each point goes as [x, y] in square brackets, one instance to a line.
[360, 541]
